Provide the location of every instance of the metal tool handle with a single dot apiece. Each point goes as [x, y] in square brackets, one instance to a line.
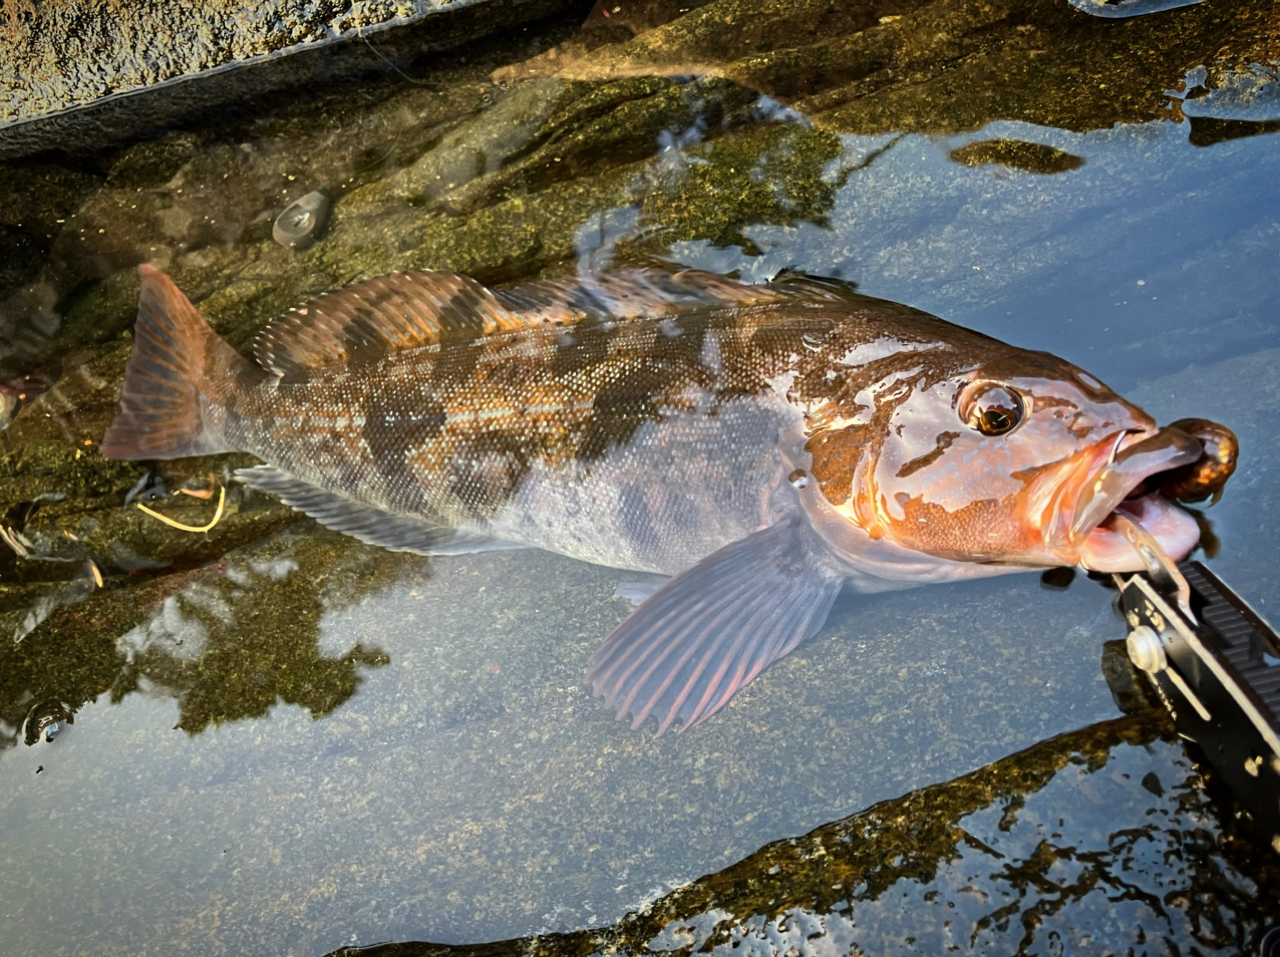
[1217, 670]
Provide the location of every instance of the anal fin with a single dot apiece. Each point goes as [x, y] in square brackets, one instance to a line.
[374, 526]
[710, 630]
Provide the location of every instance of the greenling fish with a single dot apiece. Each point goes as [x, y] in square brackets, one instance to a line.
[766, 445]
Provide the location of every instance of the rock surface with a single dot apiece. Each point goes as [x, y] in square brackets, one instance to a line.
[85, 57]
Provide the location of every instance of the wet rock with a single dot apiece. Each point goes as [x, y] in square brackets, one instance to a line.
[209, 634]
[941, 68]
[72, 64]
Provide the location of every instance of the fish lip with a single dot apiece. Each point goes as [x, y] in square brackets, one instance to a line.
[1106, 549]
[1132, 457]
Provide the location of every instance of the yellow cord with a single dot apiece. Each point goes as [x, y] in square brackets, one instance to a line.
[217, 516]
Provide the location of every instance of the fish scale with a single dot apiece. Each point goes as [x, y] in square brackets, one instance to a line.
[765, 445]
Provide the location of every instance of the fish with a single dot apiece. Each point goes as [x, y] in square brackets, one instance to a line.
[765, 445]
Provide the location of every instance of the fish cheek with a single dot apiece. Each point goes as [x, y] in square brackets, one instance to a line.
[979, 531]
[943, 442]
[954, 500]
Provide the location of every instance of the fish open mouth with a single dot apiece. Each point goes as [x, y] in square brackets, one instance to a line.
[1124, 484]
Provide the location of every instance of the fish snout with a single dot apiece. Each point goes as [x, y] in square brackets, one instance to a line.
[1134, 457]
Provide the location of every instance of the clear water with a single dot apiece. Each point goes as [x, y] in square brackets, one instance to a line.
[285, 742]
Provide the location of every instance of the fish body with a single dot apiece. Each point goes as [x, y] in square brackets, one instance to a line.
[765, 445]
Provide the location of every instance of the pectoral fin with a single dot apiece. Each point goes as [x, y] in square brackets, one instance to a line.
[710, 630]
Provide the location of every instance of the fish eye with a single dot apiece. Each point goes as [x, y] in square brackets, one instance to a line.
[991, 408]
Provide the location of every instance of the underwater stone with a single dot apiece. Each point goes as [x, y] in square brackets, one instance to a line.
[303, 220]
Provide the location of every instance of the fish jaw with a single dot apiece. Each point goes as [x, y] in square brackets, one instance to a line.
[1104, 549]
[1106, 480]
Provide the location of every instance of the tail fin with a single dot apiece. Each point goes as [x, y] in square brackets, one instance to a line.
[176, 376]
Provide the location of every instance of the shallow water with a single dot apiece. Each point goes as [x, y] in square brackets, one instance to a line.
[284, 742]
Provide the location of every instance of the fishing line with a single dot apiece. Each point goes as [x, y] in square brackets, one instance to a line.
[173, 523]
[383, 57]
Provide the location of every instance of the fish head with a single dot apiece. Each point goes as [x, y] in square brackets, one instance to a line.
[1016, 458]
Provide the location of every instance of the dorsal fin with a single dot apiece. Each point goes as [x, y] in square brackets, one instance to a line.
[377, 316]
[409, 309]
[629, 294]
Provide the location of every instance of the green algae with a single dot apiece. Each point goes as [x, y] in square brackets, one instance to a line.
[944, 68]
[194, 632]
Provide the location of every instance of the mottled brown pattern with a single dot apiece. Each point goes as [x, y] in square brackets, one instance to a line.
[944, 442]
[765, 445]
[446, 396]
[643, 418]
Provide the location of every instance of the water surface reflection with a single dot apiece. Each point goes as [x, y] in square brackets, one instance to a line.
[1095, 838]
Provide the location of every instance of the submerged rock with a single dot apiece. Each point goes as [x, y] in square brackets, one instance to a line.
[1015, 154]
[303, 221]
